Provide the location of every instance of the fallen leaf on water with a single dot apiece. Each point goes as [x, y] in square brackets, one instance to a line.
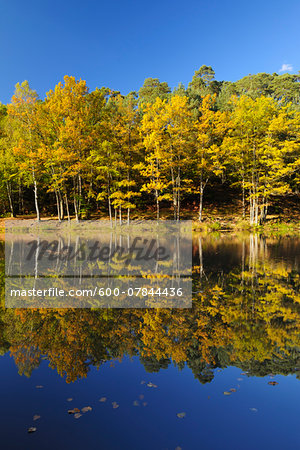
[240, 379]
[73, 411]
[226, 393]
[272, 383]
[145, 403]
[102, 399]
[243, 373]
[151, 385]
[143, 382]
[36, 417]
[136, 403]
[178, 448]
[253, 409]
[115, 405]
[77, 415]
[232, 390]
[31, 430]
[141, 397]
[219, 370]
[39, 387]
[86, 409]
[69, 399]
[181, 415]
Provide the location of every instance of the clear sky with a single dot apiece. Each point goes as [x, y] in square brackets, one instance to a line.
[120, 43]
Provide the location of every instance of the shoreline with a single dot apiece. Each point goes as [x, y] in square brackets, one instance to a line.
[220, 224]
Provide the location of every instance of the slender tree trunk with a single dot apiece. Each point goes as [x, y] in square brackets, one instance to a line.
[128, 198]
[251, 207]
[21, 202]
[174, 194]
[75, 200]
[157, 204]
[201, 190]
[67, 207]
[79, 194]
[244, 206]
[256, 213]
[36, 199]
[57, 205]
[109, 211]
[61, 205]
[178, 194]
[201, 203]
[9, 194]
[75, 210]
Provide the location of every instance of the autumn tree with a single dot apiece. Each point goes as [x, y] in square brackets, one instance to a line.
[165, 129]
[23, 110]
[208, 158]
[262, 147]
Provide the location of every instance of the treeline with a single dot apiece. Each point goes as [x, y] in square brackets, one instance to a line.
[82, 151]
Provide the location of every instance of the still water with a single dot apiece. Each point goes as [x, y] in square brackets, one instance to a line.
[222, 375]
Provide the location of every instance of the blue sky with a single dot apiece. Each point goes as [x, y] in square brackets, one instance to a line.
[120, 43]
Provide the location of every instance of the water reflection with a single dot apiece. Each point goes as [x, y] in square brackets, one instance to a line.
[246, 313]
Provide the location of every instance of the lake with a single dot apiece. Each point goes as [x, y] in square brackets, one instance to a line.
[224, 374]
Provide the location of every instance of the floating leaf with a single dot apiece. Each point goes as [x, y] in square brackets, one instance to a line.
[73, 411]
[253, 409]
[31, 430]
[115, 405]
[39, 387]
[69, 399]
[145, 403]
[143, 382]
[151, 385]
[181, 415]
[77, 415]
[102, 399]
[272, 383]
[232, 390]
[36, 417]
[141, 397]
[136, 403]
[86, 409]
[240, 379]
[243, 373]
[227, 393]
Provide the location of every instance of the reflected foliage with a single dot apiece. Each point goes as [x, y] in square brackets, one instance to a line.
[246, 313]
